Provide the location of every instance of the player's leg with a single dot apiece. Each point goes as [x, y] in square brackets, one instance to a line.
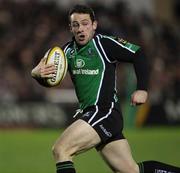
[76, 138]
[117, 155]
[157, 167]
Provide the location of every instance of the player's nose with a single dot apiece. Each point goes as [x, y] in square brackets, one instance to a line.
[80, 28]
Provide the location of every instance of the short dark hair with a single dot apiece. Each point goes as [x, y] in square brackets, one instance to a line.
[82, 9]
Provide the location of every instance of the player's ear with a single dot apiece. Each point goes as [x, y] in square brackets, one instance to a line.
[95, 23]
[70, 28]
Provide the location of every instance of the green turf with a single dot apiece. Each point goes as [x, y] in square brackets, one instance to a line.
[29, 151]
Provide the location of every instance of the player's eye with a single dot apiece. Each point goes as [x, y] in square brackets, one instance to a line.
[85, 23]
[75, 25]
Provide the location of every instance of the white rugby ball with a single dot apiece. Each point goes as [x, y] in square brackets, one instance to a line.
[57, 57]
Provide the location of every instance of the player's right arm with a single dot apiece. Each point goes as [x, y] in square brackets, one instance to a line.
[42, 71]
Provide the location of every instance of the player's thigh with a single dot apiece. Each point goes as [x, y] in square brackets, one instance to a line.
[77, 137]
[118, 156]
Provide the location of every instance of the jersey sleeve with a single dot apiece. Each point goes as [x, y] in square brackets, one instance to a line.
[119, 50]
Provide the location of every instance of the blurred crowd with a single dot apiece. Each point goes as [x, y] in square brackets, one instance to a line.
[29, 28]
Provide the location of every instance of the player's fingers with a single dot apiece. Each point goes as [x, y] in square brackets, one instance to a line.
[137, 100]
[51, 69]
[133, 103]
[47, 71]
[47, 68]
[47, 75]
[44, 73]
[50, 66]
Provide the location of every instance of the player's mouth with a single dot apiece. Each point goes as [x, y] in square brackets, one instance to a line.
[81, 37]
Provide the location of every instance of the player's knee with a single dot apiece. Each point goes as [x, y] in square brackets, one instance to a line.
[128, 168]
[61, 152]
[133, 168]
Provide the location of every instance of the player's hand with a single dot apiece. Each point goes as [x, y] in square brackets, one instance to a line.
[43, 70]
[139, 97]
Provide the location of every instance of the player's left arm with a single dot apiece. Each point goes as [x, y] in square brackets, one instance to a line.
[123, 51]
[140, 63]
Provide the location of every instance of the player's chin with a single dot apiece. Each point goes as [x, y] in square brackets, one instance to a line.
[82, 42]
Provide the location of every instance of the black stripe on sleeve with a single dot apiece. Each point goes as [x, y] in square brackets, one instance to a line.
[141, 68]
[115, 52]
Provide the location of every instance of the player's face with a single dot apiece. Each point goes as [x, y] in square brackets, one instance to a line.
[82, 27]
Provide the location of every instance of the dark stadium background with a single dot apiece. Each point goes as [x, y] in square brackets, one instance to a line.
[28, 28]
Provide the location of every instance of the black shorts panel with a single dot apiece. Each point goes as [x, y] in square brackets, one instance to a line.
[108, 123]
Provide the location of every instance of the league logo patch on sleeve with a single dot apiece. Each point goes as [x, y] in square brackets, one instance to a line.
[131, 47]
[122, 41]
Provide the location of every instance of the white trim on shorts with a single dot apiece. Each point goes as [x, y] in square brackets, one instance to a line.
[102, 118]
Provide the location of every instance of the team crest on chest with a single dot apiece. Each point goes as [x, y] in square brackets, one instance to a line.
[79, 63]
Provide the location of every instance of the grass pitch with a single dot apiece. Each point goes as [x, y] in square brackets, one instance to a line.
[29, 151]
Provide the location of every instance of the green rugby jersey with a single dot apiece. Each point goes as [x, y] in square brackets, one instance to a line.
[93, 69]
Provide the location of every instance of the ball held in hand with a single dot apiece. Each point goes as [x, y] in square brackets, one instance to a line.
[57, 57]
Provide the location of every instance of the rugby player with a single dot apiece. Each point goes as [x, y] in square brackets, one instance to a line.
[92, 60]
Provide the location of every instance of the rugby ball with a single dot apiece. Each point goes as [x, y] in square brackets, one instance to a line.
[57, 57]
